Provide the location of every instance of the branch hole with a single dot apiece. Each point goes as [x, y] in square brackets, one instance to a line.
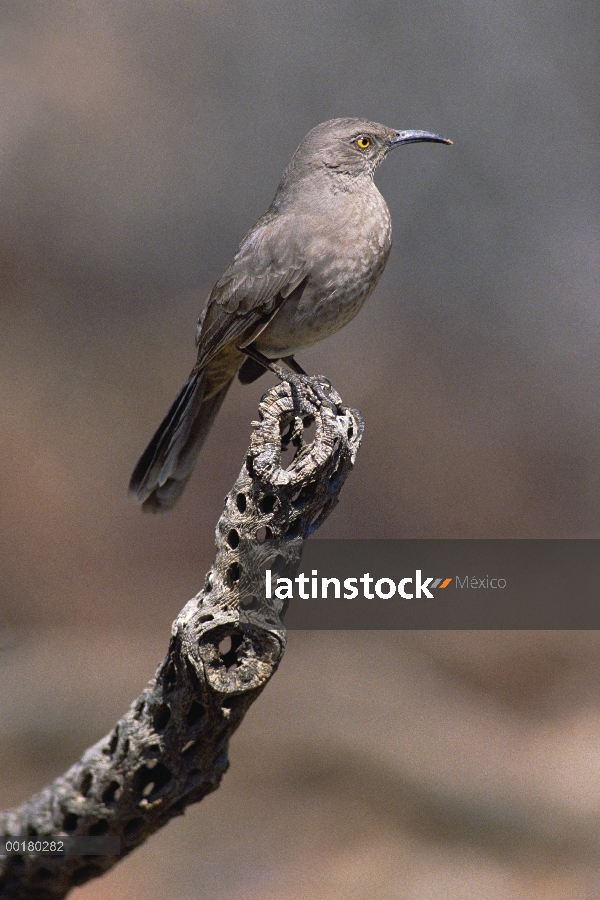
[231, 703]
[225, 645]
[170, 676]
[288, 450]
[304, 495]
[32, 831]
[351, 432]
[233, 574]
[263, 534]
[267, 503]
[110, 748]
[70, 822]
[233, 538]
[125, 749]
[195, 713]
[161, 717]
[278, 564]
[230, 647]
[109, 797]
[286, 436]
[240, 502]
[149, 781]
[139, 709]
[98, 828]
[206, 618]
[86, 783]
[227, 704]
[310, 429]
[287, 461]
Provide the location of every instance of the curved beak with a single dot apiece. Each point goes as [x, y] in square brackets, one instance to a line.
[415, 137]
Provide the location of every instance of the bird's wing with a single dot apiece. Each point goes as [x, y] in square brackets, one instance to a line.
[265, 270]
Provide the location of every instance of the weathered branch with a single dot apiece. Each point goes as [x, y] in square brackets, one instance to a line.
[170, 749]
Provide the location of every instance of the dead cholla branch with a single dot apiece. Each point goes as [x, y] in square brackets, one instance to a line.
[171, 748]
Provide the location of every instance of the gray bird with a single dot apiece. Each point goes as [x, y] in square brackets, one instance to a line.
[300, 274]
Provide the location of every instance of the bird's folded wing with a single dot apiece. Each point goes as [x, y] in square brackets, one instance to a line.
[265, 270]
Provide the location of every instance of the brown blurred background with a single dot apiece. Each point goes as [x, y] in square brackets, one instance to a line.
[138, 142]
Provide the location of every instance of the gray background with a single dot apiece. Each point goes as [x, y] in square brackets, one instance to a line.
[138, 142]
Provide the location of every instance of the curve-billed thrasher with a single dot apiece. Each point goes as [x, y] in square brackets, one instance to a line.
[299, 275]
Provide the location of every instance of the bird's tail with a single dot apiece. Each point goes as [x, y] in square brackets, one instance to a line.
[166, 464]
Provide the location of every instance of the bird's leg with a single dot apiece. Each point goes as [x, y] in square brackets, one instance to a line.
[294, 366]
[254, 354]
[318, 389]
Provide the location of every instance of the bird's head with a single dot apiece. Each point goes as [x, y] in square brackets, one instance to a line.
[353, 147]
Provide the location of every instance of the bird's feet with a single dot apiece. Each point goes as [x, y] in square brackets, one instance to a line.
[319, 385]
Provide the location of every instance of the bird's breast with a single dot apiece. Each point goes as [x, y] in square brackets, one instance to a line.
[346, 247]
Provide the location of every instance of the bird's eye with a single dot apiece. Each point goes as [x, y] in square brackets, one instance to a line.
[363, 142]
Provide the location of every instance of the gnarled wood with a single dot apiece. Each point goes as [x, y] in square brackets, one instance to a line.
[170, 749]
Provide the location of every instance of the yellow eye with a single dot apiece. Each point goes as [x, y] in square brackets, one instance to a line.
[363, 142]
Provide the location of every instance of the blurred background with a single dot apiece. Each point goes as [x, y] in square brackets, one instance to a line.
[138, 143]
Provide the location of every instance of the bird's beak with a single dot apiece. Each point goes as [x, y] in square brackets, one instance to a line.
[414, 137]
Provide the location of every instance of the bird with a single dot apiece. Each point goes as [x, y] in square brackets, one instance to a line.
[301, 273]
